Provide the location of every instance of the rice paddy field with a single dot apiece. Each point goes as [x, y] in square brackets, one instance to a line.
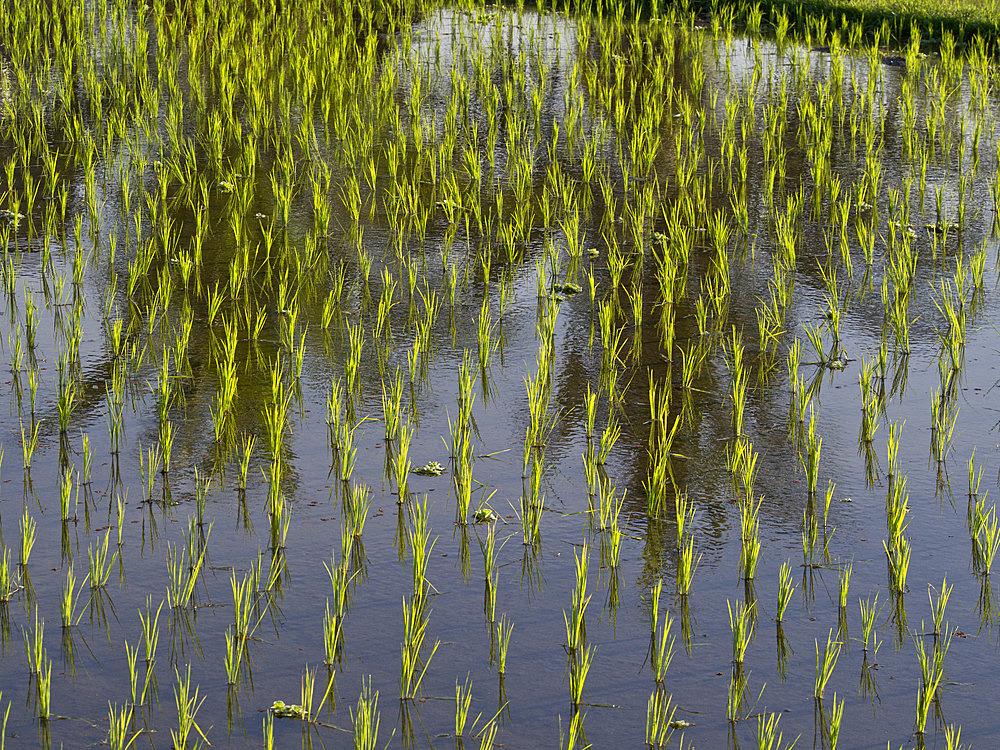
[461, 375]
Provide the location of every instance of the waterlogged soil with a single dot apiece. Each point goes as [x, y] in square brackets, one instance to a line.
[499, 61]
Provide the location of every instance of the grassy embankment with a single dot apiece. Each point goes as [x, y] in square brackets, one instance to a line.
[894, 20]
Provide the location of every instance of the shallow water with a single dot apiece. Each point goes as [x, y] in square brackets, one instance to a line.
[531, 702]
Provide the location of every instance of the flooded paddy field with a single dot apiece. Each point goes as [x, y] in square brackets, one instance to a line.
[481, 376]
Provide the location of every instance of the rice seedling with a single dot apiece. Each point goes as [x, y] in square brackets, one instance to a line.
[487, 735]
[358, 505]
[580, 664]
[65, 494]
[401, 461]
[742, 629]
[953, 737]
[575, 740]
[43, 683]
[463, 152]
[659, 719]
[9, 578]
[768, 734]
[738, 695]
[27, 537]
[347, 451]
[463, 702]
[738, 385]
[182, 574]
[100, 562]
[898, 557]
[29, 443]
[825, 663]
[34, 646]
[810, 459]
[391, 405]
[132, 655]
[844, 583]
[785, 589]
[575, 620]
[609, 437]
[70, 595]
[684, 511]
[932, 673]
[687, 564]
[503, 633]
[870, 610]
[120, 735]
[463, 488]
[67, 396]
[750, 547]
[188, 702]
[944, 416]
[662, 652]
[150, 631]
[413, 665]
[831, 728]
[987, 539]
[306, 692]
